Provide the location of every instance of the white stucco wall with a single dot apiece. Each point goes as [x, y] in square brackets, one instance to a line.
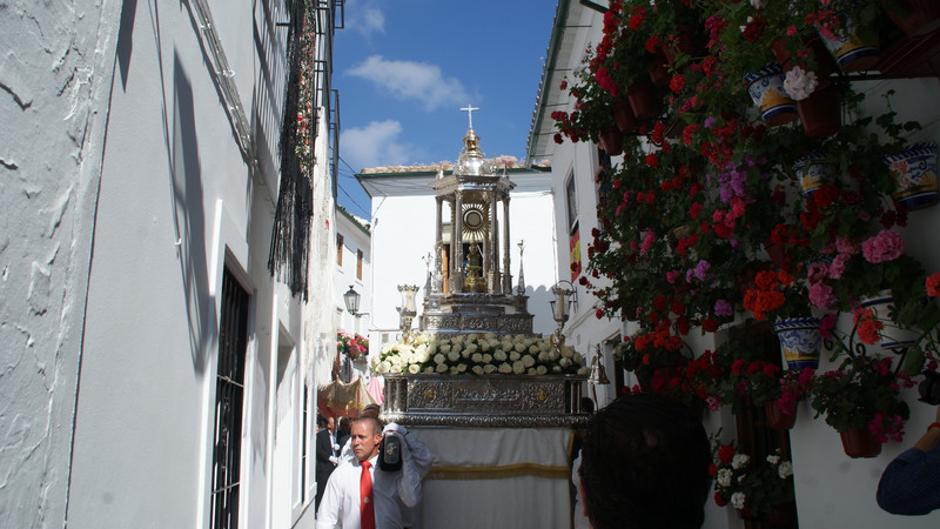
[56, 66]
[354, 240]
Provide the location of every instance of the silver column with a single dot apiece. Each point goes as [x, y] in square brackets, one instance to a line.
[507, 278]
[457, 242]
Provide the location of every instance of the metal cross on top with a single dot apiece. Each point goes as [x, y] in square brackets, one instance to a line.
[469, 110]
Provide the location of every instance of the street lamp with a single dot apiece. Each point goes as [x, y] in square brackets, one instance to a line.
[408, 310]
[351, 299]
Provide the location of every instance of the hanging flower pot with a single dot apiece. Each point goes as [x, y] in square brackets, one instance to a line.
[915, 173]
[813, 172]
[623, 116]
[765, 87]
[799, 341]
[776, 418]
[892, 337]
[849, 51]
[644, 101]
[912, 16]
[821, 112]
[860, 443]
[611, 140]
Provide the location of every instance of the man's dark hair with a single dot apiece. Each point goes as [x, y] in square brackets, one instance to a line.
[644, 465]
[321, 421]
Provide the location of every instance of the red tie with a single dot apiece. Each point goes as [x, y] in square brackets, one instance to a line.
[366, 507]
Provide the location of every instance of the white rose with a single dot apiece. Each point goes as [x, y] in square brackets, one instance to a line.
[543, 356]
[487, 358]
[773, 459]
[785, 470]
[531, 371]
[583, 371]
[489, 336]
[567, 352]
[534, 349]
[444, 348]
[472, 348]
[500, 356]
[485, 346]
[505, 368]
[518, 367]
[544, 345]
[578, 358]
[439, 359]
[541, 370]
[429, 370]
[456, 348]
[519, 347]
[441, 368]
[467, 352]
[528, 361]
[454, 370]
[564, 362]
[461, 368]
[384, 367]
[738, 499]
[477, 358]
[724, 477]
[453, 356]
[739, 461]
[414, 369]
[489, 368]
[395, 370]
[513, 356]
[493, 342]
[556, 369]
[477, 370]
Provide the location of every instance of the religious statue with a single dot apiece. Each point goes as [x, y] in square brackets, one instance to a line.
[473, 281]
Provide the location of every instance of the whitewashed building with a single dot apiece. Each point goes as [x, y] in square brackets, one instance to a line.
[353, 270]
[155, 373]
[831, 489]
[403, 239]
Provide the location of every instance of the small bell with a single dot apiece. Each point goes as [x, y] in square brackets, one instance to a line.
[598, 373]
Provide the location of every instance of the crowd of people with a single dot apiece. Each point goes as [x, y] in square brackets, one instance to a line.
[641, 462]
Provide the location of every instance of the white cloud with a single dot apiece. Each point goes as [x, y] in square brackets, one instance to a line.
[375, 144]
[364, 17]
[412, 80]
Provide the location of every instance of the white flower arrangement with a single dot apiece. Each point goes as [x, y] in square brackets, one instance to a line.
[738, 500]
[740, 461]
[785, 470]
[799, 84]
[479, 354]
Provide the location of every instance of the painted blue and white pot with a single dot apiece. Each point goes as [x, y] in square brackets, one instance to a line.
[915, 174]
[765, 87]
[799, 341]
[813, 172]
[893, 337]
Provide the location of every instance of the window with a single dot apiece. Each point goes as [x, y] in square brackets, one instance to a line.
[339, 250]
[229, 397]
[571, 200]
[359, 264]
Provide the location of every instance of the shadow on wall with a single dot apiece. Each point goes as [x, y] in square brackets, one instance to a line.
[190, 218]
[539, 299]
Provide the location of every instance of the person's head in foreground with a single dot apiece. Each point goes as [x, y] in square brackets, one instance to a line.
[366, 436]
[644, 465]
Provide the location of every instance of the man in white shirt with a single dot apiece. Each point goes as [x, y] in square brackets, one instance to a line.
[358, 496]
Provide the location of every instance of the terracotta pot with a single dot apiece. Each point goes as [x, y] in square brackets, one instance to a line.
[623, 116]
[860, 443]
[644, 100]
[611, 140]
[912, 16]
[821, 112]
[776, 419]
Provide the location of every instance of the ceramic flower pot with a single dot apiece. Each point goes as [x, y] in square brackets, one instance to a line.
[799, 341]
[892, 336]
[915, 173]
[821, 112]
[644, 100]
[765, 87]
[912, 16]
[813, 172]
[611, 140]
[623, 116]
[777, 419]
[860, 443]
[849, 51]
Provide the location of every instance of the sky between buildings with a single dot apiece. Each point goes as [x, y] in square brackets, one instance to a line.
[405, 67]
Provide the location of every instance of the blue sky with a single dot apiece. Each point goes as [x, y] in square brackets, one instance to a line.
[405, 67]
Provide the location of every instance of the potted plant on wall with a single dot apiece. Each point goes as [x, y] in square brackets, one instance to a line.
[861, 400]
[758, 490]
